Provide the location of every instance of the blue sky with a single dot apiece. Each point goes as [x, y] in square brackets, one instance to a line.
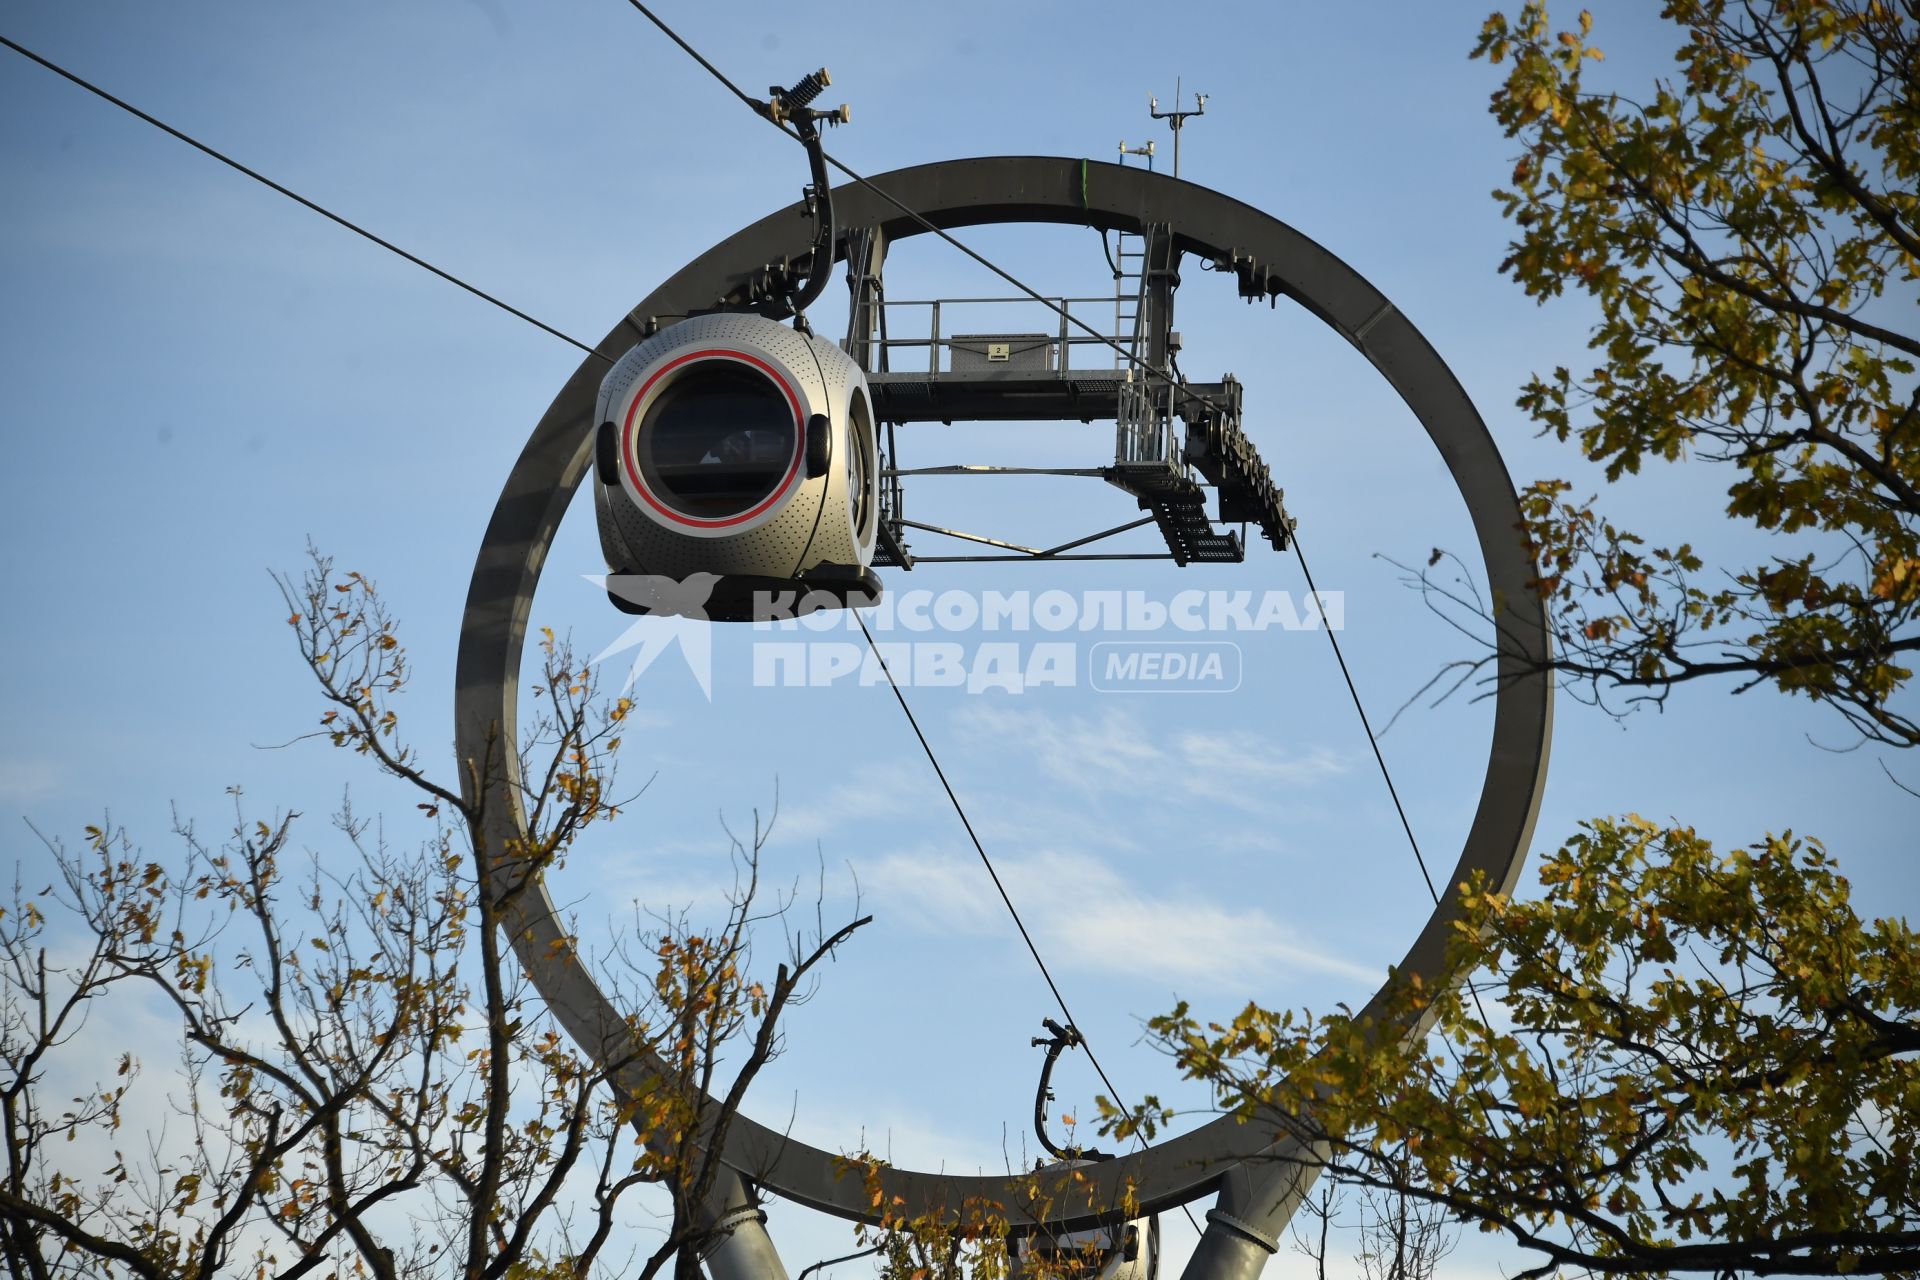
[201, 376]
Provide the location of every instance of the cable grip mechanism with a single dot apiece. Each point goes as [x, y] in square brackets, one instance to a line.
[784, 106]
[1058, 1041]
[789, 108]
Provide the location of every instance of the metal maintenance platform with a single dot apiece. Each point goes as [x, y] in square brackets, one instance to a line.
[1098, 359]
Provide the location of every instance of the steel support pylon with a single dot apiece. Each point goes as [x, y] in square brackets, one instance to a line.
[1257, 1199]
[744, 1250]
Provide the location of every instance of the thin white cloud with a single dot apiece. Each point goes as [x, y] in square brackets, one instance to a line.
[1245, 757]
[1096, 920]
[1115, 752]
[878, 791]
[27, 778]
[1106, 752]
[935, 891]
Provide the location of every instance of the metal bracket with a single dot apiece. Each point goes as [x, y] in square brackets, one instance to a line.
[1366, 326]
[1247, 1229]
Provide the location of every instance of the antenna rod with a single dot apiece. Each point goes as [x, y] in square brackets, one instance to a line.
[1176, 119]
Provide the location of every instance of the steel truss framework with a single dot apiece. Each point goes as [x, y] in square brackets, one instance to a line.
[1257, 1186]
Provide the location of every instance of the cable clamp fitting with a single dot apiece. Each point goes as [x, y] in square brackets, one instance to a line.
[793, 105]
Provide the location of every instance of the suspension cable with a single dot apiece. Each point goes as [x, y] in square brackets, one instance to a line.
[917, 217]
[1472, 988]
[1367, 725]
[296, 197]
[979, 848]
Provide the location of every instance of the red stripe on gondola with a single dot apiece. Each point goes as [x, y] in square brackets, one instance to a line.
[632, 466]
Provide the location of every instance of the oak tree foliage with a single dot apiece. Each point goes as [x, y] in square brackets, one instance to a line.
[1747, 229]
[1676, 1059]
[1684, 1060]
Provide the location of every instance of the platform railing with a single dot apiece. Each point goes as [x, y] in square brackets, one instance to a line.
[948, 316]
[1143, 431]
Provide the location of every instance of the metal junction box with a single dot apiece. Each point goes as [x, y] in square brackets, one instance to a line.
[987, 352]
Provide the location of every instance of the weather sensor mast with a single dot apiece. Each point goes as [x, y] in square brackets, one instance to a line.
[1176, 119]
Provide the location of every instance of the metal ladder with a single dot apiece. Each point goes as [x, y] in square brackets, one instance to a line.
[1143, 435]
[1130, 249]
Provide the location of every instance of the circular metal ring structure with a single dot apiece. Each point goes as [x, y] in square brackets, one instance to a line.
[961, 193]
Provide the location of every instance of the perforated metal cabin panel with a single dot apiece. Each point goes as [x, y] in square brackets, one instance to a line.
[837, 541]
[867, 534]
[781, 543]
